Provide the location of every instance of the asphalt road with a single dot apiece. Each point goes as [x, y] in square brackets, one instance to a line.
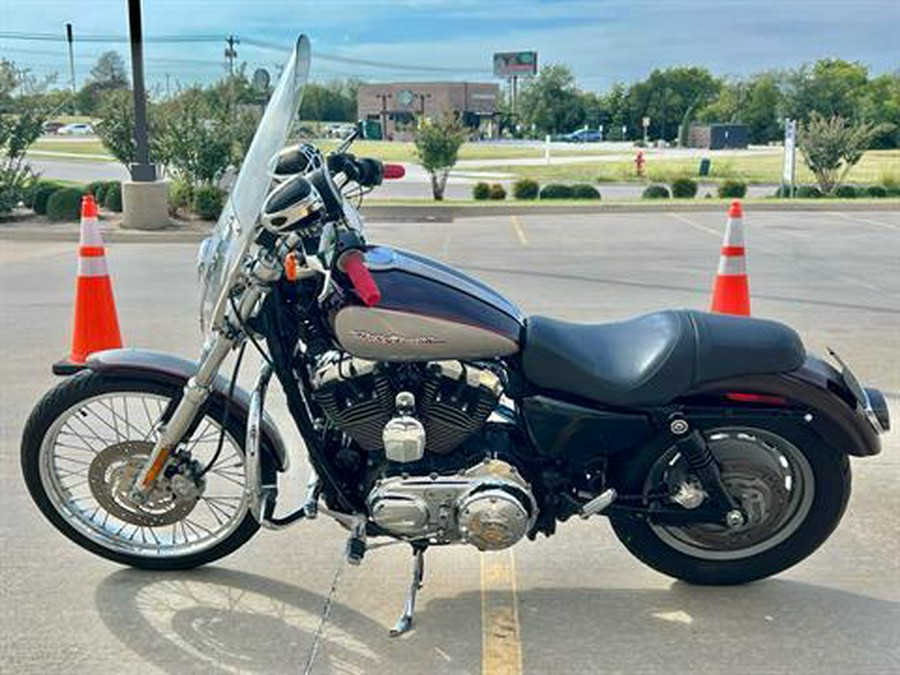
[575, 603]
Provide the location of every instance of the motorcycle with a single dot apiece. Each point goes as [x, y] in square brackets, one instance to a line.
[433, 412]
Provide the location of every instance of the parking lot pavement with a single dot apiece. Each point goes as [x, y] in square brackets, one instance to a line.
[574, 603]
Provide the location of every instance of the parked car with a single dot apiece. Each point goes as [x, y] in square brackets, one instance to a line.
[77, 129]
[582, 136]
[52, 126]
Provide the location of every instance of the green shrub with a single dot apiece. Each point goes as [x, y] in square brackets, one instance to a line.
[498, 192]
[181, 193]
[732, 189]
[65, 204]
[808, 192]
[556, 191]
[98, 189]
[481, 191]
[845, 192]
[207, 202]
[112, 200]
[525, 188]
[41, 196]
[585, 192]
[684, 188]
[655, 192]
[876, 192]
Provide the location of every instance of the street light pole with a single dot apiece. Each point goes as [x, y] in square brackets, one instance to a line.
[71, 57]
[384, 99]
[142, 170]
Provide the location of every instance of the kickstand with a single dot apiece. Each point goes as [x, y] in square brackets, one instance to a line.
[404, 623]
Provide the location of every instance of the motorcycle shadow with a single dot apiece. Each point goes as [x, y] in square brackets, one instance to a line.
[223, 621]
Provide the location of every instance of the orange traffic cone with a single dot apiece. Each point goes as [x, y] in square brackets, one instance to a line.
[96, 324]
[731, 294]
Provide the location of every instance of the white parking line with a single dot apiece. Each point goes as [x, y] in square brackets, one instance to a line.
[696, 226]
[858, 219]
[519, 230]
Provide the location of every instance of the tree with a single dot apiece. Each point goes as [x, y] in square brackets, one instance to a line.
[437, 145]
[667, 96]
[829, 87]
[109, 71]
[831, 147]
[756, 102]
[116, 128]
[17, 132]
[332, 102]
[551, 102]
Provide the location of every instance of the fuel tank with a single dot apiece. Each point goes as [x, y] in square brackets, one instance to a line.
[428, 311]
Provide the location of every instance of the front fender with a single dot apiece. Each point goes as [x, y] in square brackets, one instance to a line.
[173, 369]
[818, 386]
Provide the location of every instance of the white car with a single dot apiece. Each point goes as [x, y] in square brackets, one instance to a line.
[77, 129]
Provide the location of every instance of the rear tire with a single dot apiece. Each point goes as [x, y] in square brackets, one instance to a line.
[60, 504]
[675, 553]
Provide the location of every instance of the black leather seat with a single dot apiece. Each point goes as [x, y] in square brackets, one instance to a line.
[653, 359]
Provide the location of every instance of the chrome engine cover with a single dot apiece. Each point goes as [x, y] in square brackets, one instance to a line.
[489, 506]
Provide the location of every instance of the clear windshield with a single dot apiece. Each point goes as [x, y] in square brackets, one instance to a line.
[220, 255]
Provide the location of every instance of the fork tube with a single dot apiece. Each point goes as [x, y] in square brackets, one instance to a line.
[196, 391]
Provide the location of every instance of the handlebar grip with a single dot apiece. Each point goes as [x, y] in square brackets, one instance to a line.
[364, 284]
[394, 171]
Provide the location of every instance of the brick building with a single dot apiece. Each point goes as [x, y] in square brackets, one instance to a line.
[398, 105]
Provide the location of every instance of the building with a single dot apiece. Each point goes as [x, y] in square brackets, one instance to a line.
[719, 136]
[397, 106]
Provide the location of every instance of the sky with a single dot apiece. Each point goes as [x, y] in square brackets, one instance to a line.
[602, 41]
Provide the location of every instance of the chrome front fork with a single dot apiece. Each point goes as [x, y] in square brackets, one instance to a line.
[195, 393]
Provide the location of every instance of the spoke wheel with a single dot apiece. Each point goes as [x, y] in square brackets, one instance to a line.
[89, 438]
[769, 478]
[792, 486]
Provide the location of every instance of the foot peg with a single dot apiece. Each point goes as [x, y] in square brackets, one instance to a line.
[405, 622]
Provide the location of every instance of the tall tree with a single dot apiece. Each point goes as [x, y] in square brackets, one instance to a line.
[667, 95]
[830, 87]
[551, 102]
[109, 71]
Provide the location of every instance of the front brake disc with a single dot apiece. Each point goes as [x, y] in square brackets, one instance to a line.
[111, 475]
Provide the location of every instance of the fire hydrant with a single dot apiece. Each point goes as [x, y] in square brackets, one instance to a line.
[639, 162]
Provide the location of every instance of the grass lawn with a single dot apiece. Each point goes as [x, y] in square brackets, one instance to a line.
[398, 151]
[74, 146]
[875, 167]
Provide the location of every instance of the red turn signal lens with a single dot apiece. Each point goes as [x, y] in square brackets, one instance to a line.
[765, 399]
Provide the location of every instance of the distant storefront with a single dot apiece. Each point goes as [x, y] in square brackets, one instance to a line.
[719, 136]
[396, 107]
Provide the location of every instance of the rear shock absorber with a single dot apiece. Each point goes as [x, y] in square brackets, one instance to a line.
[694, 449]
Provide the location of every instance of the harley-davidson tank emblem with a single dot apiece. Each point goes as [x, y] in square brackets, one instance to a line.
[395, 339]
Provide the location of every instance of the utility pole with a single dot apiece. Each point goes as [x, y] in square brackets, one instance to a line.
[231, 52]
[384, 99]
[422, 98]
[142, 170]
[71, 57]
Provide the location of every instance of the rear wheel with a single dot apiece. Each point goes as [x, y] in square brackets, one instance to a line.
[792, 487]
[85, 442]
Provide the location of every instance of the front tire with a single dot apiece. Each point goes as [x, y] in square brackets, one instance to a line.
[793, 485]
[86, 438]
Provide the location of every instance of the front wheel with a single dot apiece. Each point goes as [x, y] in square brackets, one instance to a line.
[85, 442]
[792, 487]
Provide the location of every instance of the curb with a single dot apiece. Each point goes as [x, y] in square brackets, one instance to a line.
[446, 213]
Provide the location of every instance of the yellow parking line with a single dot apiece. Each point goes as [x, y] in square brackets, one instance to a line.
[696, 226]
[501, 645]
[519, 230]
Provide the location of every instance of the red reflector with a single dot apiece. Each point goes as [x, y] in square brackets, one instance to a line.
[755, 398]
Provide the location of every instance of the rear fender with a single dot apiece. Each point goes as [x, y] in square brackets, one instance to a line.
[171, 369]
[816, 388]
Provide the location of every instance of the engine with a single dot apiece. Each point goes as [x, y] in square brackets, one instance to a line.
[405, 410]
[450, 399]
[489, 506]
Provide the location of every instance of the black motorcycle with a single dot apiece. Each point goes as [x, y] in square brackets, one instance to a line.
[433, 412]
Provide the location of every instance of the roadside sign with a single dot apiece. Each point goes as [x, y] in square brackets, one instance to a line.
[790, 156]
[261, 79]
[646, 122]
[511, 64]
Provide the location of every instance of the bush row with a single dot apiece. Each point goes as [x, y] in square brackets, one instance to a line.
[686, 188]
[842, 192]
[204, 200]
[528, 189]
[61, 202]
